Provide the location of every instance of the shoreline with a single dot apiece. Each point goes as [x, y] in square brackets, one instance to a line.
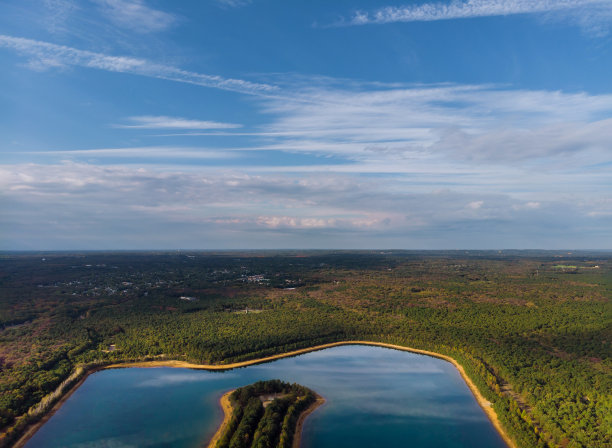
[299, 426]
[228, 409]
[32, 428]
[484, 404]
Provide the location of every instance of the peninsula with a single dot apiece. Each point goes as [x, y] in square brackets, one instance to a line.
[266, 414]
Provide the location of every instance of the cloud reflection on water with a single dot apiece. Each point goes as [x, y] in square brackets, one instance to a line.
[171, 379]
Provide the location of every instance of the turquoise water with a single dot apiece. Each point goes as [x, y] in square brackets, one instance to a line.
[376, 397]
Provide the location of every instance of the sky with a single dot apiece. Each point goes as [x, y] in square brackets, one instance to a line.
[272, 124]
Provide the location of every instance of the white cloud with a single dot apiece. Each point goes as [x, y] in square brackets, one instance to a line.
[164, 122]
[588, 13]
[57, 14]
[47, 55]
[135, 15]
[233, 3]
[484, 133]
[318, 222]
[395, 125]
[530, 205]
[517, 143]
[143, 152]
[426, 125]
[75, 204]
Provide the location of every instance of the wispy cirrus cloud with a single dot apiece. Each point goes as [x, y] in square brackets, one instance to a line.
[426, 124]
[57, 13]
[233, 3]
[44, 55]
[143, 152]
[378, 122]
[394, 125]
[164, 122]
[587, 13]
[135, 15]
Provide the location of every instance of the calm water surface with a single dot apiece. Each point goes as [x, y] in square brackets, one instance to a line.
[376, 397]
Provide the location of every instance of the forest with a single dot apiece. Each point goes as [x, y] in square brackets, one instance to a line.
[532, 329]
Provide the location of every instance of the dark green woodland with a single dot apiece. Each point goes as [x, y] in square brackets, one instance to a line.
[532, 329]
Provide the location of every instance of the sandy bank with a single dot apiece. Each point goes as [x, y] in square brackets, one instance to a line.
[299, 426]
[227, 415]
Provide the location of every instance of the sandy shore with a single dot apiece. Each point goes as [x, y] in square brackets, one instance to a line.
[299, 426]
[484, 404]
[227, 415]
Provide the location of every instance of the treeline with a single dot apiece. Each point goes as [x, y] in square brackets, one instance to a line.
[254, 426]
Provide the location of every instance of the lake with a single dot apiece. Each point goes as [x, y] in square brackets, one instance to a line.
[375, 397]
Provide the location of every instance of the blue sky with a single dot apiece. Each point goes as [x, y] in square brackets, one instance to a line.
[228, 124]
